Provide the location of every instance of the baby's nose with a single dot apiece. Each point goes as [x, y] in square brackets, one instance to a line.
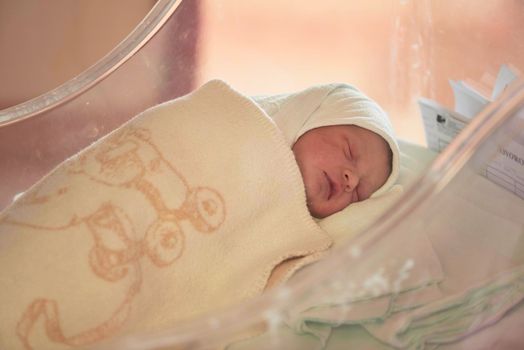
[350, 180]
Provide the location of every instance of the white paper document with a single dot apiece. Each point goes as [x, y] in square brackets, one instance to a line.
[441, 125]
[507, 166]
[468, 101]
[505, 77]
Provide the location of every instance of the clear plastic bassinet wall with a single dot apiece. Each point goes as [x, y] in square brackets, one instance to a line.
[441, 268]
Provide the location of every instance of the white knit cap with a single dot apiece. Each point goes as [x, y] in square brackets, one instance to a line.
[332, 104]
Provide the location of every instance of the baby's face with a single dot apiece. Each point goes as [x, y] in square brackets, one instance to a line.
[341, 165]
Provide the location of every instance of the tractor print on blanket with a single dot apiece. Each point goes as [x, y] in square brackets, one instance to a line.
[127, 161]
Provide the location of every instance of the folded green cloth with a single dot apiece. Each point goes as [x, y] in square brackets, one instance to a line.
[454, 317]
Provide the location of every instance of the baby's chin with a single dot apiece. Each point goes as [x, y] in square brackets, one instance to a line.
[319, 211]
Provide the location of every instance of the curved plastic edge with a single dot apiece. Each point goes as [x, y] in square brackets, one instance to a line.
[145, 30]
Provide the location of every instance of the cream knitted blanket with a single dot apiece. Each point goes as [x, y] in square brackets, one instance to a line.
[186, 209]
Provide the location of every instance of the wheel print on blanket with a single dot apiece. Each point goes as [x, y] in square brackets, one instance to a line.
[205, 209]
[164, 242]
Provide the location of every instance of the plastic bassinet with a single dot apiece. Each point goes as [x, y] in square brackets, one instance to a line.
[472, 220]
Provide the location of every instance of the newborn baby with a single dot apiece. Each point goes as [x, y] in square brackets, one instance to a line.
[343, 143]
[341, 165]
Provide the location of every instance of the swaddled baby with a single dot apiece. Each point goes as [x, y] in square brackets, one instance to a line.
[343, 143]
[144, 229]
